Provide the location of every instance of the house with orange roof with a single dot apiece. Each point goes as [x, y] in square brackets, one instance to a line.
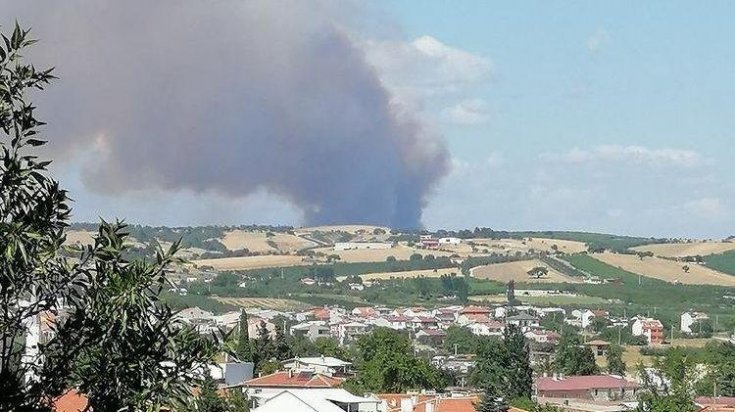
[475, 310]
[365, 312]
[430, 403]
[274, 383]
[71, 401]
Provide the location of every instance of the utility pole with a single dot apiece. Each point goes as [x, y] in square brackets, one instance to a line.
[619, 329]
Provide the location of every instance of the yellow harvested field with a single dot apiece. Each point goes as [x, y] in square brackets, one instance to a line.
[687, 249]
[510, 246]
[264, 303]
[667, 270]
[489, 298]
[518, 271]
[258, 241]
[78, 237]
[400, 252]
[429, 273]
[250, 262]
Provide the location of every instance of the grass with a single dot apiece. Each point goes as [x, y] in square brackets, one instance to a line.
[663, 300]
[724, 262]
[563, 300]
[595, 240]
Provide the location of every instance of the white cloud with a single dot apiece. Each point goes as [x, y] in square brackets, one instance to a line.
[468, 112]
[627, 154]
[597, 40]
[425, 68]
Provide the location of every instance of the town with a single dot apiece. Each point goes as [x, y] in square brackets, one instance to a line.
[350, 206]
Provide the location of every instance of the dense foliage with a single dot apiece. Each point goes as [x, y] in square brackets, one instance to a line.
[503, 366]
[386, 363]
[114, 340]
[724, 262]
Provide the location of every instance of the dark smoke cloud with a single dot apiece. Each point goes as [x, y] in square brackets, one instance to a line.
[229, 97]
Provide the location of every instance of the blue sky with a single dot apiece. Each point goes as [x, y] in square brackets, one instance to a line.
[649, 80]
[599, 116]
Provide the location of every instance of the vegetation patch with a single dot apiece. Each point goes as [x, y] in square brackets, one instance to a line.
[724, 262]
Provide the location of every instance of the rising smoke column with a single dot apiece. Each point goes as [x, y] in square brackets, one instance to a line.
[230, 97]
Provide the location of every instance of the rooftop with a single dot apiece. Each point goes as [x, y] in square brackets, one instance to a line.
[581, 383]
[295, 380]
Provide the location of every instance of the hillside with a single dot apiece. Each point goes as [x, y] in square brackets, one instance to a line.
[687, 249]
[667, 270]
[518, 272]
[724, 262]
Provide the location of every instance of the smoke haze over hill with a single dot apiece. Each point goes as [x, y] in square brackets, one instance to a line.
[245, 96]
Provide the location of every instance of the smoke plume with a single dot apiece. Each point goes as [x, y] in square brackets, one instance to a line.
[229, 97]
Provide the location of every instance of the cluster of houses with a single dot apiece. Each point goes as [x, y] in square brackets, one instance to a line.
[428, 326]
[316, 383]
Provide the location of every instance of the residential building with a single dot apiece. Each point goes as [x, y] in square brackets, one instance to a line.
[542, 336]
[312, 330]
[429, 241]
[323, 365]
[447, 241]
[365, 312]
[522, 320]
[652, 329]
[487, 328]
[426, 403]
[689, 318]
[318, 400]
[475, 310]
[269, 385]
[432, 337]
[350, 331]
[596, 387]
[422, 322]
[599, 347]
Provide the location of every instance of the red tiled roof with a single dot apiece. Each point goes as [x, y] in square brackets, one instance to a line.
[581, 383]
[475, 309]
[478, 317]
[464, 404]
[295, 380]
[71, 401]
[457, 404]
[721, 400]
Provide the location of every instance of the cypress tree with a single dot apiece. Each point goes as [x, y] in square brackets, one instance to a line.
[244, 348]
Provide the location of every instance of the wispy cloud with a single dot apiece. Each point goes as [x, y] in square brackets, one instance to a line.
[627, 154]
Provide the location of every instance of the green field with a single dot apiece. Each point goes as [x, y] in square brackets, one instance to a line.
[724, 262]
[550, 300]
[593, 240]
[564, 300]
[651, 296]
